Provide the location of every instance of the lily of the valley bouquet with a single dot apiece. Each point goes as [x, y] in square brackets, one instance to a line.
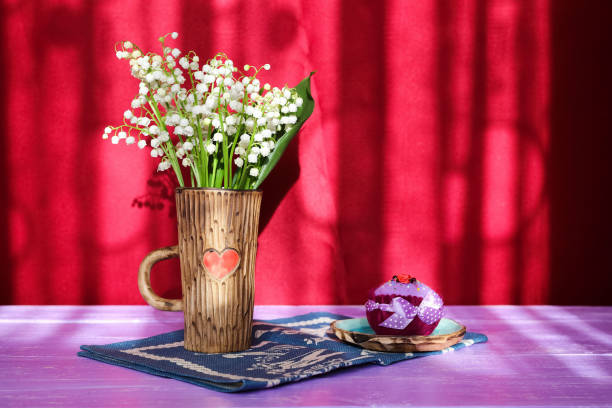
[214, 119]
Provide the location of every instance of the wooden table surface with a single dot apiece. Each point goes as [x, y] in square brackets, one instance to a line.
[537, 356]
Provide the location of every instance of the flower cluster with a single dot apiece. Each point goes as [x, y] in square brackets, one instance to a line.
[219, 122]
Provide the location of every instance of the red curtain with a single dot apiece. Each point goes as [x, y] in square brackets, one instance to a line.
[463, 143]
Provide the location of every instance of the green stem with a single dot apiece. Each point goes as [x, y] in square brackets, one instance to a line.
[169, 147]
[225, 141]
[241, 128]
[214, 172]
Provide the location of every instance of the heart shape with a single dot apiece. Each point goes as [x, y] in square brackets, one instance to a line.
[221, 265]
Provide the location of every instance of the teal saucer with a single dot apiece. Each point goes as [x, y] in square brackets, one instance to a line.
[358, 332]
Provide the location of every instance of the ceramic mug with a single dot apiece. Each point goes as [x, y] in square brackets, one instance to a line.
[217, 233]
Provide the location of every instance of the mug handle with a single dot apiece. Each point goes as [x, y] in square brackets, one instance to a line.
[144, 279]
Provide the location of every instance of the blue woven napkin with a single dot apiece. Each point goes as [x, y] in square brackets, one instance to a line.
[283, 351]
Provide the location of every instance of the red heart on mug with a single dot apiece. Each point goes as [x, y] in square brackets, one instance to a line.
[221, 265]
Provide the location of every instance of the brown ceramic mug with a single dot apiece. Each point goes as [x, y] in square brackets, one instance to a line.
[217, 233]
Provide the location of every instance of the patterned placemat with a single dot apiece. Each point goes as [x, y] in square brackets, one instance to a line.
[283, 351]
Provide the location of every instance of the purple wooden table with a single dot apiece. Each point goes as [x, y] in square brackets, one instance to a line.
[536, 356]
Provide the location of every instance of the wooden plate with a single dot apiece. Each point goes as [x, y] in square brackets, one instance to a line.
[359, 332]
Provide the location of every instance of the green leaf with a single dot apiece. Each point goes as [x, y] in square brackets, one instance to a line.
[303, 90]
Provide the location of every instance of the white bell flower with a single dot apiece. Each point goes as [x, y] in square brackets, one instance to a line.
[144, 121]
[235, 105]
[162, 166]
[164, 136]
